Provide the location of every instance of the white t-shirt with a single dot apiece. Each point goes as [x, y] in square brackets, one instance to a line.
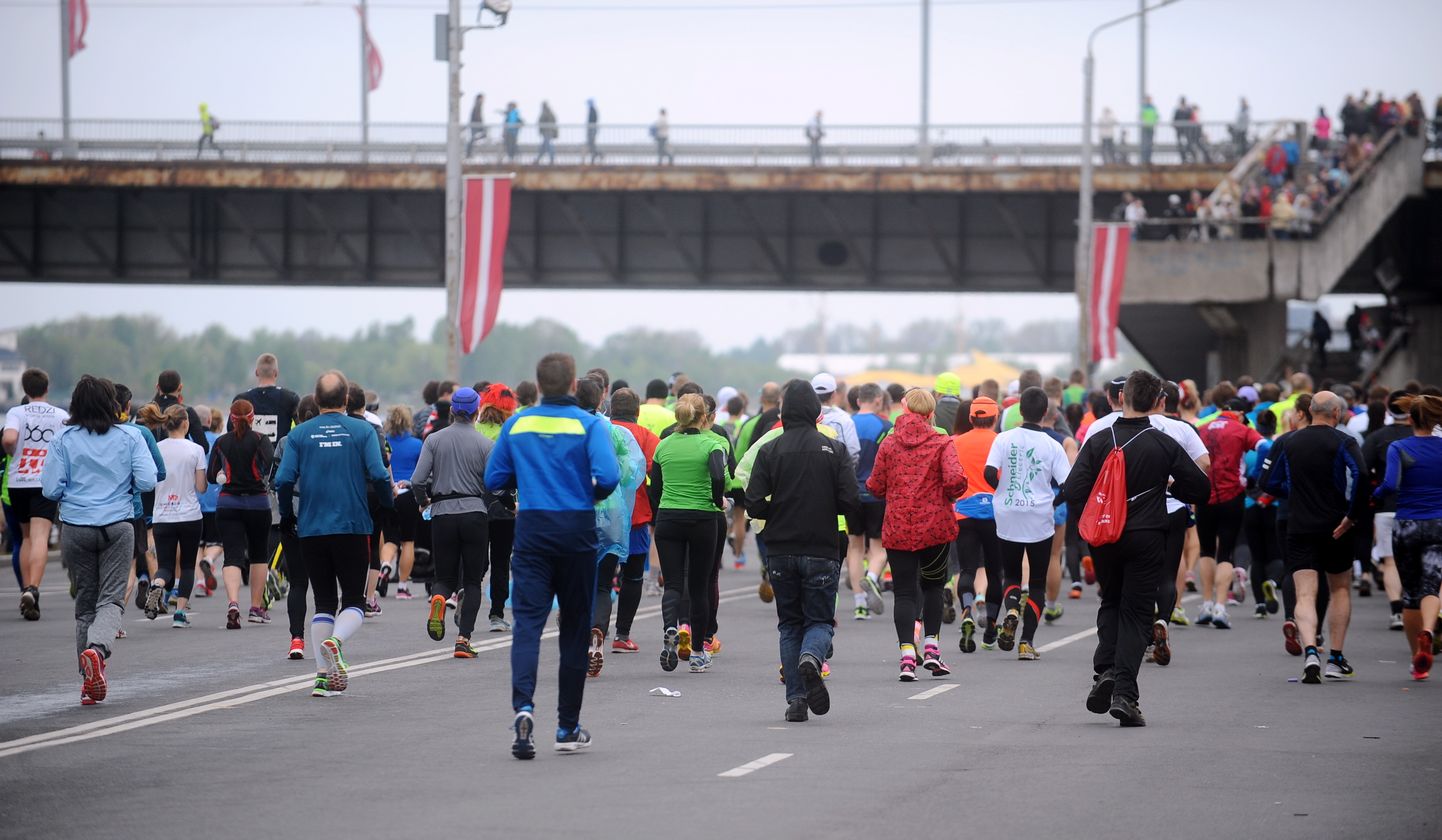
[1182, 432]
[36, 425]
[1027, 462]
[175, 499]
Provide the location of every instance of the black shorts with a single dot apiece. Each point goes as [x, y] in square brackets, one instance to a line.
[209, 530]
[405, 521]
[29, 503]
[1319, 553]
[867, 523]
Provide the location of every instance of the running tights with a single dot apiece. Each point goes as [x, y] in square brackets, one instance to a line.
[633, 573]
[921, 571]
[686, 543]
[1260, 526]
[1039, 555]
[977, 547]
[178, 543]
[244, 533]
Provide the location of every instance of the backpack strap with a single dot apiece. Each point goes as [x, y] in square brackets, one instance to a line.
[1130, 442]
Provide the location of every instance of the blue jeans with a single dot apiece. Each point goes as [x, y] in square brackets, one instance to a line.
[805, 611]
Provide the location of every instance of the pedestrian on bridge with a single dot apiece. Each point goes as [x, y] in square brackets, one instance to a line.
[1107, 127]
[478, 123]
[549, 132]
[511, 131]
[208, 125]
[593, 127]
[661, 133]
[814, 133]
[1150, 118]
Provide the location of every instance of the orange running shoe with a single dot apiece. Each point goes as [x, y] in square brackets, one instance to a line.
[712, 645]
[683, 642]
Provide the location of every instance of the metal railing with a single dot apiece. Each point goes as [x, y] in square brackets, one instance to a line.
[614, 145]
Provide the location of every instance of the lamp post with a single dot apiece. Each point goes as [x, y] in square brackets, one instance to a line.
[924, 148]
[455, 36]
[1086, 198]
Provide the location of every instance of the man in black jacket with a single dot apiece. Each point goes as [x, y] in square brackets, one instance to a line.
[801, 482]
[1129, 570]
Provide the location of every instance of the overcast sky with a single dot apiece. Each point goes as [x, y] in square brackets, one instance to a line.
[706, 61]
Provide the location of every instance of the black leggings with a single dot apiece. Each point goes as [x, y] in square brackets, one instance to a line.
[337, 559]
[1218, 526]
[178, 544]
[977, 547]
[686, 543]
[295, 573]
[245, 534]
[633, 572]
[1178, 523]
[501, 534]
[923, 570]
[1260, 526]
[458, 548]
[1039, 554]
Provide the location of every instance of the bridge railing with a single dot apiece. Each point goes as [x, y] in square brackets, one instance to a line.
[614, 145]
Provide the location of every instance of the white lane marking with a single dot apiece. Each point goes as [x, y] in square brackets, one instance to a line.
[932, 692]
[1088, 633]
[249, 694]
[752, 766]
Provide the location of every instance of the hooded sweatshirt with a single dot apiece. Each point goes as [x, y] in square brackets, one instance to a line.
[919, 476]
[801, 482]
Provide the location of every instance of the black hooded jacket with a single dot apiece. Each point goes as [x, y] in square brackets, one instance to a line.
[801, 482]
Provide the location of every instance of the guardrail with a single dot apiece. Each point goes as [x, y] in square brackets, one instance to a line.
[610, 145]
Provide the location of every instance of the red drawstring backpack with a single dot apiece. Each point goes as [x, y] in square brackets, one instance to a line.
[1105, 515]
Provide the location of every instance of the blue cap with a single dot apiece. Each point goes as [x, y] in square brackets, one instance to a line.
[465, 401]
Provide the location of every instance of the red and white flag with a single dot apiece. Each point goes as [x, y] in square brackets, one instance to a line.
[485, 223]
[372, 55]
[79, 20]
[1109, 273]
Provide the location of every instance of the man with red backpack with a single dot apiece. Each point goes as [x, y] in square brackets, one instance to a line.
[1131, 494]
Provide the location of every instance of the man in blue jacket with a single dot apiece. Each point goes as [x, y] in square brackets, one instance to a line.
[559, 460]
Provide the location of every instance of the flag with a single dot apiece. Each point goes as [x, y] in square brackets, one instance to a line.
[485, 223]
[1109, 272]
[79, 20]
[372, 55]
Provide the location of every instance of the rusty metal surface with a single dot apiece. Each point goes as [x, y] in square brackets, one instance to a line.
[1031, 179]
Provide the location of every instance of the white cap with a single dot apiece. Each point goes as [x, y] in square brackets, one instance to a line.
[724, 396]
[823, 383]
[1013, 386]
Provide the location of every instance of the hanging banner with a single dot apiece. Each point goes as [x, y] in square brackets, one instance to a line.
[485, 223]
[1109, 272]
[372, 55]
[79, 21]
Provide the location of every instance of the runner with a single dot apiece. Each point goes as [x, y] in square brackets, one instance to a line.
[382, 513]
[1259, 523]
[498, 403]
[1022, 466]
[240, 463]
[1219, 521]
[274, 406]
[178, 525]
[30, 429]
[1374, 450]
[625, 407]
[337, 458]
[918, 475]
[865, 554]
[295, 568]
[91, 471]
[169, 390]
[210, 546]
[1414, 474]
[977, 546]
[405, 449]
[1055, 427]
[654, 414]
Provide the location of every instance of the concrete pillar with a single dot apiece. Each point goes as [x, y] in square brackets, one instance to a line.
[1257, 340]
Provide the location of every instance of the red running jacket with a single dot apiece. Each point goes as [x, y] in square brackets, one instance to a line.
[918, 475]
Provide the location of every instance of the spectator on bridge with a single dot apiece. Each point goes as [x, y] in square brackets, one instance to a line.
[814, 133]
[1241, 129]
[1119, 212]
[1182, 125]
[478, 123]
[1136, 216]
[208, 125]
[1251, 208]
[1416, 114]
[1107, 127]
[661, 133]
[1150, 118]
[1353, 123]
[1174, 214]
[511, 131]
[1198, 136]
[1321, 130]
[549, 132]
[593, 127]
[1284, 216]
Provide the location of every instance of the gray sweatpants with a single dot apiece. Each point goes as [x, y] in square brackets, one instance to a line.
[99, 559]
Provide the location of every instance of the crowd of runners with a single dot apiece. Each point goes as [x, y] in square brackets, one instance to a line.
[987, 508]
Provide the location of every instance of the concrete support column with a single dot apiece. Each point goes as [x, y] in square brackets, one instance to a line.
[1256, 342]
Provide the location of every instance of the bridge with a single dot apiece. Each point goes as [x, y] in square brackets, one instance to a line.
[977, 208]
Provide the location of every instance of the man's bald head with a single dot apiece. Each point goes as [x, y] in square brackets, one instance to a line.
[1327, 408]
[770, 395]
[331, 389]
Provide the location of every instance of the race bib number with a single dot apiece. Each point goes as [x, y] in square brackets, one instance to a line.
[268, 425]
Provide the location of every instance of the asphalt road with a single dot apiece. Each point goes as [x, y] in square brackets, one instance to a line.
[213, 733]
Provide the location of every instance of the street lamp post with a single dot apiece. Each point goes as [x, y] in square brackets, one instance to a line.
[1086, 197]
[925, 138]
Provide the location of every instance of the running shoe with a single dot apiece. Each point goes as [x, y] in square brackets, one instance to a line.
[500, 625]
[142, 589]
[968, 634]
[1396, 622]
[264, 615]
[873, 595]
[796, 711]
[700, 661]
[201, 591]
[180, 619]
[826, 669]
[464, 649]
[813, 674]
[1191, 581]
[383, 583]
[1312, 670]
[623, 644]
[373, 608]
[988, 638]
[916, 634]
[1338, 668]
[764, 591]
[1220, 619]
[297, 648]
[154, 594]
[574, 741]
[1269, 596]
[596, 656]
[712, 645]
[740, 562]
[1052, 613]
[173, 597]
[948, 606]
[1291, 639]
[1204, 616]
[1240, 579]
[1129, 712]
[1422, 659]
[1161, 644]
[861, 614]
[322, 686]
[931, 661]
[1089, 570]
[1006, 637]
[208, 574]
[1099, 699]
[1364, 587]
[232, 616]
[451, 602]
[92, 665]
[908, 668]
[669, 642]
[1076, 591]
[1260, 611]
[1179, 617]
[403, 593]
[436, 621]
[683, 641]
[335, 664]
[256, 616]
[524, 747]
[1025, 651]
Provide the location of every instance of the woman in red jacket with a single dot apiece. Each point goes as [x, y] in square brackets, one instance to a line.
[919, 476]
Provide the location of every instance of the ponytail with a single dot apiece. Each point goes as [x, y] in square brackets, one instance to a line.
[1424, 409]
[242, 415]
